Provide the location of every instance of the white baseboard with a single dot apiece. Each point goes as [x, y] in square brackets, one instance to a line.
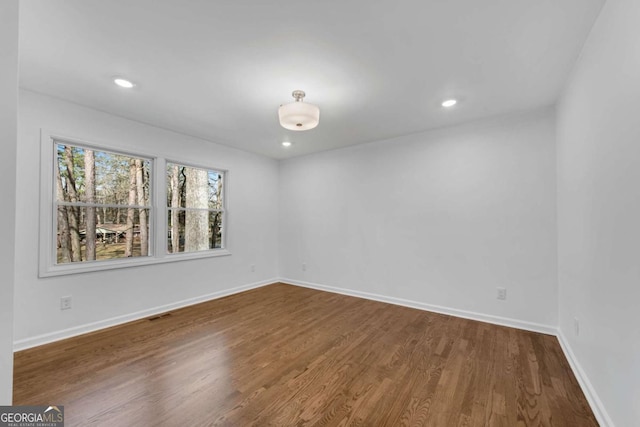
[590, 393]
[26, 343]
[497, 320]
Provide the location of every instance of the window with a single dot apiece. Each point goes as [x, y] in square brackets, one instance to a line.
[102, 205]
[195, 208]
[99, 208]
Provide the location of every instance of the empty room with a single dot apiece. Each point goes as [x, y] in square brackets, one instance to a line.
[288, 213]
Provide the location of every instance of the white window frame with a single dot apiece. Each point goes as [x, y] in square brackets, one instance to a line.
[158, 247]
[223, 242]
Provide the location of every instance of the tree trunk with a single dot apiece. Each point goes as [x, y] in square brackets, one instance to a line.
[144, 231]
[64, 239]
[72, 211]
[219, 192]
[216, 231]
[197, 222]
[217, 223]
[90, 197]
[128, 251]
[175, 203]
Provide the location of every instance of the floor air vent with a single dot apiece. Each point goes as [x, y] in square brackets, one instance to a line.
[160, 316]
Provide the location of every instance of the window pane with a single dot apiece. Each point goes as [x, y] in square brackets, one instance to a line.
[195, 200]
[189, 187]
[117, 233]
[113, 178]
[194, 230]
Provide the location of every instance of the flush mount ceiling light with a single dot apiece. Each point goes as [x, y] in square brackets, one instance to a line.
[123, 82]
[286, 144]
[299, 115]
[449, 103]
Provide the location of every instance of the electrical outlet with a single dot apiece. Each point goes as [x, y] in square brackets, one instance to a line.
[253, 268]
[304, 266]
[502, 293]
[576, 326]
[65, 303]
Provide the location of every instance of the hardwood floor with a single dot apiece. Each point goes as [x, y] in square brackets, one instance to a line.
[283, 355]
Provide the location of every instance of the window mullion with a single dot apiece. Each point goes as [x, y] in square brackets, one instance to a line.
[101, 205]
[160, 214]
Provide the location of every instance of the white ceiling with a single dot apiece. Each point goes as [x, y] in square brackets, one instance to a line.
[376, 68]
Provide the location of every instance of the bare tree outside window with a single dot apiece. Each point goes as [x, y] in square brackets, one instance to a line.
[102, 204]
[195, 208]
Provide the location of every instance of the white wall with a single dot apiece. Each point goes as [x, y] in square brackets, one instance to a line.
[115, 294]
[599, 210]
[8, 143]
[439, 218]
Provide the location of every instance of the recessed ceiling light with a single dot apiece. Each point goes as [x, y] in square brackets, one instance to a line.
[286, 144]
[123, 82]
[449, 103]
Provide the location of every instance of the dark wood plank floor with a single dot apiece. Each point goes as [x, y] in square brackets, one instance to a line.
[282, 355]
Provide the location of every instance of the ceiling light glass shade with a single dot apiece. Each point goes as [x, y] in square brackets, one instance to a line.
[299, 115]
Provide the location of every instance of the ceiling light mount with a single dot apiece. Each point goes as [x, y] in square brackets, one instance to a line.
[298, 95]
[299, 115]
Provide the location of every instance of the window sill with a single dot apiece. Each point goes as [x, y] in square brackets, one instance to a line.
[89, 267]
